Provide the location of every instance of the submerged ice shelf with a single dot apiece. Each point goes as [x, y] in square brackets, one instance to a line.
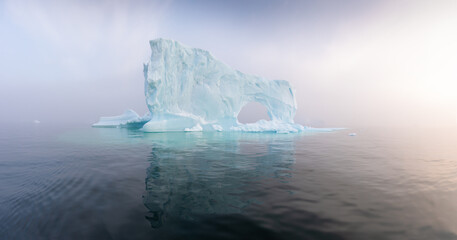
[187, 89]
[128, 119]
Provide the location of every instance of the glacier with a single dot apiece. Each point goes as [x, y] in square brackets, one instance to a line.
[187, 89]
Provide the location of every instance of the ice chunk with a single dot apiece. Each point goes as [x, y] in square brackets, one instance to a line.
[187, 89]
[128, 119]
[217, 127]
[196, 128]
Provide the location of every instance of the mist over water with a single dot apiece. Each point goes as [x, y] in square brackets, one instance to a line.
[353, 64]
[383, 69]
[85, 182]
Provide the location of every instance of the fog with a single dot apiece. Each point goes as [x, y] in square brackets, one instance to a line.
[352, 63]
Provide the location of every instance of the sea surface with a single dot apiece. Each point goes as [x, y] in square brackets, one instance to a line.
[94, 183]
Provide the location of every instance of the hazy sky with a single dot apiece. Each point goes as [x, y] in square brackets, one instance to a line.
[352, 63]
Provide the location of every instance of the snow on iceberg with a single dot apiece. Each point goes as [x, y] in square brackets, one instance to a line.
[187, 89]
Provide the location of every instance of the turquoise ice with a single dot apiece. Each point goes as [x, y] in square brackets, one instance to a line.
[187, 89]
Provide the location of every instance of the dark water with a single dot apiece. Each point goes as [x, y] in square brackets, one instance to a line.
[89, 183]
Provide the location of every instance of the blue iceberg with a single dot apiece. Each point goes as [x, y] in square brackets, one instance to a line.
[187, 89]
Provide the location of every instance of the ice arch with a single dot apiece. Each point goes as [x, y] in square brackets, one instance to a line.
[253, 112]
[187, 88]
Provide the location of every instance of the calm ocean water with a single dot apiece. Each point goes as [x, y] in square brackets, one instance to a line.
[92, 183]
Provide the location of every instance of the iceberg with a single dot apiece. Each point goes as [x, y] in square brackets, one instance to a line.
[187, 89]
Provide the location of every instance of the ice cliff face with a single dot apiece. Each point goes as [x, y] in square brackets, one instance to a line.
[187, 89]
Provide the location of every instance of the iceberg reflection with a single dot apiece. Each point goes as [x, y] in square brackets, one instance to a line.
[197, 174]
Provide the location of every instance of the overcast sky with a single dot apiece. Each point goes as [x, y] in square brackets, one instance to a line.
[352, 63]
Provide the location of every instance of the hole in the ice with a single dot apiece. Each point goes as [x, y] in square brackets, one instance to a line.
[253, 112]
